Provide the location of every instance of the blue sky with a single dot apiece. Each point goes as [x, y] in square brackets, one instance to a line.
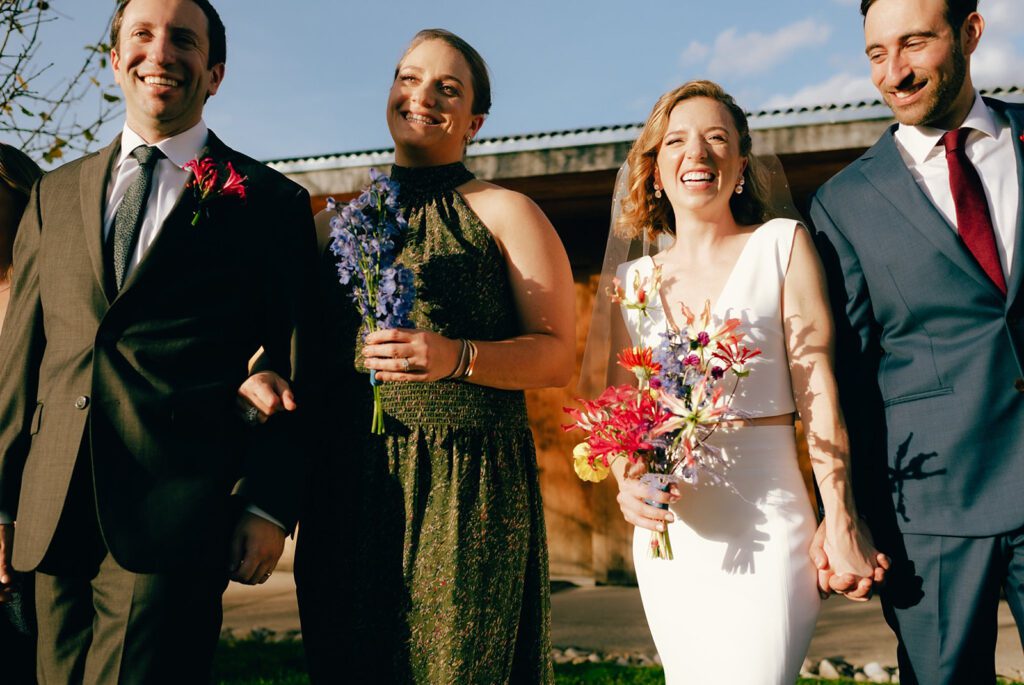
[307, 77]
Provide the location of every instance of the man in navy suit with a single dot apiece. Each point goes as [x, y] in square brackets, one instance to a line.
[924, 243]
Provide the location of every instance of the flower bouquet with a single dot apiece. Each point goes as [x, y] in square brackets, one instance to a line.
[364, 238]
[679, 400]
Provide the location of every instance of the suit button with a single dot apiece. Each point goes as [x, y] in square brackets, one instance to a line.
[83, 401]
[1019, 385]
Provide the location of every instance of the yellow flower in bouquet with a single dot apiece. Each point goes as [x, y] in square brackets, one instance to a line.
[595, 471]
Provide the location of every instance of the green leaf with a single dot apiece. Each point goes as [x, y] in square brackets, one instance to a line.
[110, 97]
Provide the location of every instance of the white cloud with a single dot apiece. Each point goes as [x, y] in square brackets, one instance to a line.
[997, 63]
[735, 54]
[843, 87]
[1002, 18]
[695, 53]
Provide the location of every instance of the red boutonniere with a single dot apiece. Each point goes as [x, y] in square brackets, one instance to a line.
[211, 181]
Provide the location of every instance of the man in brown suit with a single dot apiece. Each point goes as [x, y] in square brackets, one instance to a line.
[135, 489]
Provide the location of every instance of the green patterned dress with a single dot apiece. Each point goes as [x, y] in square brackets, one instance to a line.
[422, 557]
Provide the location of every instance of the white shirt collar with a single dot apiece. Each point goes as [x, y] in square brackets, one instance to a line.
[920, 141]
[179, 149]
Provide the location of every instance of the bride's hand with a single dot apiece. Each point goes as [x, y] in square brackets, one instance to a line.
[631, 500]
[405, 354]
[857, 567]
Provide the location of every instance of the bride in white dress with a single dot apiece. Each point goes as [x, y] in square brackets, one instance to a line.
[739, 600]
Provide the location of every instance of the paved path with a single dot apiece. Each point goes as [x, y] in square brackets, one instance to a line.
[612, 619]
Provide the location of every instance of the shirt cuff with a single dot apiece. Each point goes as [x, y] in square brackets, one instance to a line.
[252, 509]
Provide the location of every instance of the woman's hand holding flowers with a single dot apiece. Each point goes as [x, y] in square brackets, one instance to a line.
[406, 354]
[632, 494]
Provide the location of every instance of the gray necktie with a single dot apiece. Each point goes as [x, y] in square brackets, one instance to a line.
[129, 214]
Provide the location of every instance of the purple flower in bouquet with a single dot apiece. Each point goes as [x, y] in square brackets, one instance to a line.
[365, 236]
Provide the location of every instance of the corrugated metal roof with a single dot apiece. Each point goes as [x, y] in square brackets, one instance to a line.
[624, 133]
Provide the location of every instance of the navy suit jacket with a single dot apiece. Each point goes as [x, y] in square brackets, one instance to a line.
[929, 354]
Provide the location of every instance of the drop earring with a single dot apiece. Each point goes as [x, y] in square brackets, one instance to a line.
[739, 186]
[657, 191]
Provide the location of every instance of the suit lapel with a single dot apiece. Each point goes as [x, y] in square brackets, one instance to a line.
[177, 225]
[888, 173]
[94, 177]
[1016, 275]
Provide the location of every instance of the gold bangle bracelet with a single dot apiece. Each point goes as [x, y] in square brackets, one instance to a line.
[460, 362]
[472, 359]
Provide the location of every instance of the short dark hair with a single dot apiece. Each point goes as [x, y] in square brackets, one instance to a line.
[957, 11]
[477, 66]
[215, 32]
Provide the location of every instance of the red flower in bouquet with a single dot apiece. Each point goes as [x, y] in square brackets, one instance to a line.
[212, 181]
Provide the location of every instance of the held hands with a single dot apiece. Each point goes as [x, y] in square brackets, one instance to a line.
[847, 561]
[256, 546]
[405, 354]
[631, 500]
[264, 394]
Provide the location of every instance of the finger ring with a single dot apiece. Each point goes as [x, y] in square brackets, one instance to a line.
[251, 416]
[405, 364]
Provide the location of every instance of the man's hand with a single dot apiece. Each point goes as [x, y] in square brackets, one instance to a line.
[852, 587]
[6, 570]
[268, 393]
[256, 546]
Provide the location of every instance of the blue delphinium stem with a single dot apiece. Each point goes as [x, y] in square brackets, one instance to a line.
[363, 238]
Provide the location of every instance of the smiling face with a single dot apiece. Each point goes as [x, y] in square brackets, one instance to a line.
[919, 63]
[699, 162]
[161, 65]
[430, 107]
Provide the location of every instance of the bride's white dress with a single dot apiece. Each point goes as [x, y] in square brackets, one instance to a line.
[738, 602]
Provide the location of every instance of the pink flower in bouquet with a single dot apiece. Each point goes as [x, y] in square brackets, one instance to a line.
[735, 356]
[644, 290]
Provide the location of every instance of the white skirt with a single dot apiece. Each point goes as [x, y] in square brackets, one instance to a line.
[739, 601]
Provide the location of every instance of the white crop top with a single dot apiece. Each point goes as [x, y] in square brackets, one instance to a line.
[752, 294]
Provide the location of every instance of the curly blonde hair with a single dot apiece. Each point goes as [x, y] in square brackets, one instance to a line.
[641, 210]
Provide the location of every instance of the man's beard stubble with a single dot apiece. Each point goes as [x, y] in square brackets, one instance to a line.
[946, 92]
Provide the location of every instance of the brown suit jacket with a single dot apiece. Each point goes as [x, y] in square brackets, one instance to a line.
[147, 380]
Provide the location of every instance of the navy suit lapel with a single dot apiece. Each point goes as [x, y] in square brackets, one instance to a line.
[887, 172]
[1016, 276]
[95, 175]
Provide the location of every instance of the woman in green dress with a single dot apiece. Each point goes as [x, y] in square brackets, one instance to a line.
[422, 554]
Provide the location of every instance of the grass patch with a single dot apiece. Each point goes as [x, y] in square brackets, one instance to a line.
[261, 662]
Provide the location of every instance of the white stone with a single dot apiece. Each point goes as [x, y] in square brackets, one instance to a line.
[860, 677]
[876, 673]
[572, 652]
[594, 658]
[827, 671]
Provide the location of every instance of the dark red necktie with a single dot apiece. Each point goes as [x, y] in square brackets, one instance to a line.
[973, 218]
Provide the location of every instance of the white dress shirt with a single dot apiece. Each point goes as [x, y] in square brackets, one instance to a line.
[168, 183]
[990, 148]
